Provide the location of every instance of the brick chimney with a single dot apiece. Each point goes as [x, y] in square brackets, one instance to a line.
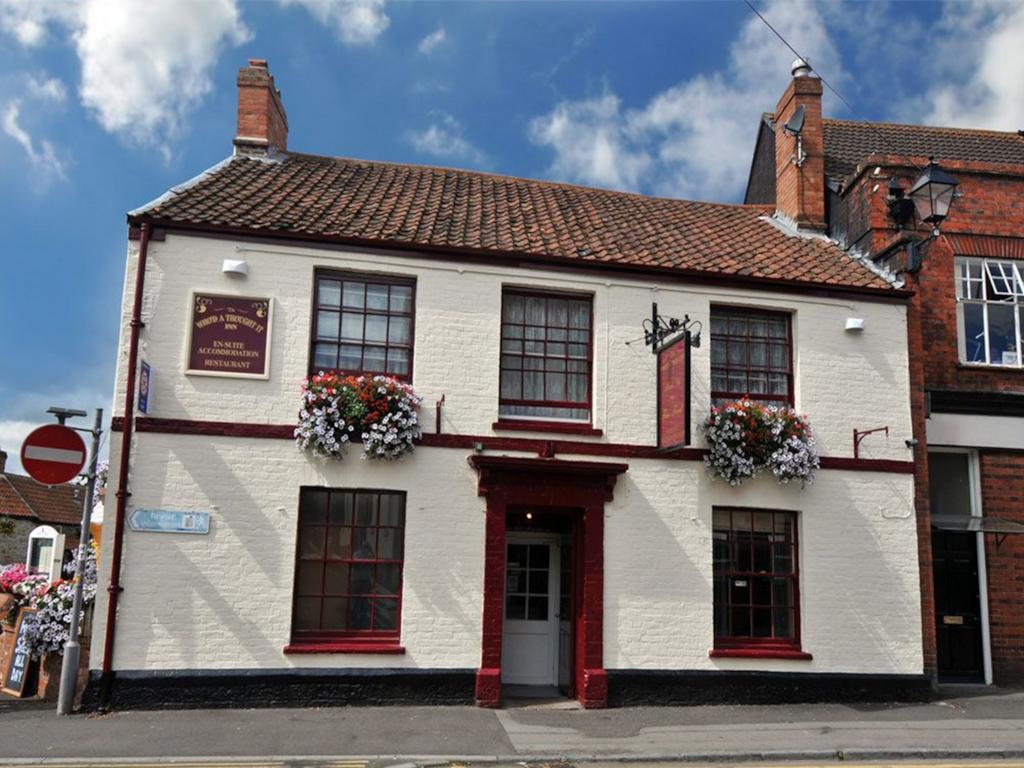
[800, 158]
[3, 462]
[262, 123]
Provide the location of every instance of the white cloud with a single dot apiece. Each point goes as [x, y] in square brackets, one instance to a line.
[980, 67]
[143, 85]
[12, 434]
[41, 154]
[356, 22]
[46, 89]
[443, 138]
[432, 41]
[694, 139]
[27, 20]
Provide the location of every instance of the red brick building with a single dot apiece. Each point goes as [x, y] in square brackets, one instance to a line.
[26, 504]
[849, 181]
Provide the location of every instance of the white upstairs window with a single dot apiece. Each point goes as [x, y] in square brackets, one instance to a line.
[990, 311]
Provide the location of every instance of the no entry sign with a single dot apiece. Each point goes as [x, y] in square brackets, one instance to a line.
[53, 454]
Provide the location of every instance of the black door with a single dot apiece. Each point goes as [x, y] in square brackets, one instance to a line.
[957, 607]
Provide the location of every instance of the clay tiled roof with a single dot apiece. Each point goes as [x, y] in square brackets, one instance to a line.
[23, 497]
[848, 143]
[395, 205]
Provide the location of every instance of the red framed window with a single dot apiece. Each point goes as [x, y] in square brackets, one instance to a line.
[546, 356]
[363, 324]
[751, 356]
[756, 579]
[348, 571]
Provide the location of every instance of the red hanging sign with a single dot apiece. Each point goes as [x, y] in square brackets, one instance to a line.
[674, 393]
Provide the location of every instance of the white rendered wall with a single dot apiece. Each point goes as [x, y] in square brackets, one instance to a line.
[224, 600]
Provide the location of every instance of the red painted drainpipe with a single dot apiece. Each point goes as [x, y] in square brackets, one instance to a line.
[114, 588]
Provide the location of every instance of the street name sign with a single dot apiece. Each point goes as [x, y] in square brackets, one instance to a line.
[53, 454]
[169, 521]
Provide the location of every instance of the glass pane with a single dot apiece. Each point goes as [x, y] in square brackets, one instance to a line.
[758, 326]
[352, 326]
[389, 545]
[366, 509]
[401, 298]
[720, 520]
[740, 622]
[310, 578]
[516, 555]
[762, 553]
[579, 314]
[376, 296]
[1002, 334]
[335, 613]
[511, 384]
[362, 579]
[577, 388]
[555, 387]
[364, 543]
[535, 310]
[537, 608]
[354, 294]
[328, 293]
[778, 327]
[538, 583]
[737, 326]
[339, 543]
[351, 358]
[391, 509]
[398, 362]
[533, 386]
[376, 327]
[373, 358]
[778, 384]
[539, 554]
[311, 541]
[762, 622]
[515, 582]
[327, 325]
[515, 607]
[387, 579]
[307, 613]
[759, 355]
[361, 610]
[314, 507]
[336, 579]
[779, 357]
[513, 309]
[949, 484]
[341, 508]
[974, 332]
[325, 356]
[558, 312]
[385, 613]
[398, 330]
[782, 593]
[737, 353]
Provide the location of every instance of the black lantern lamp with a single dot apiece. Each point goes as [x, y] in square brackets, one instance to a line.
[933, 193]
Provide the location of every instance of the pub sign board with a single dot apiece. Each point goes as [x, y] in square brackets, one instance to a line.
[229, 336]
[19, 665]
[674, 393]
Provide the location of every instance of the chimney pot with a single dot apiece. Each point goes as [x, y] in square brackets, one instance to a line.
[262, 122]
[801, 68]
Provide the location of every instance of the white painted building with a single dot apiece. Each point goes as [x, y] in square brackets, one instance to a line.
[536, 536]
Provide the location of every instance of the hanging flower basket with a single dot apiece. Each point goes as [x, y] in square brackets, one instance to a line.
[377, 411]
[745, 438]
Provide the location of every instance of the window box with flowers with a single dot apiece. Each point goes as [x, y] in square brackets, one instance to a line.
[378, 411]
[745, 438]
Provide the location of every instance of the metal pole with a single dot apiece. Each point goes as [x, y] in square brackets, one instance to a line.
[69, 666]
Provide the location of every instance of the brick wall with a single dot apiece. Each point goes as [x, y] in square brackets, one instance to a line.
[1002, 491]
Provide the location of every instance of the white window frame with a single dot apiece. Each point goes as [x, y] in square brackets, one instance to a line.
[1008, 272]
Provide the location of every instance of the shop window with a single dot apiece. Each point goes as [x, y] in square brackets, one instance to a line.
[990, 311]
[546, 356]
[751, 356]
[348, 573]
[362, 324]
[756, 590]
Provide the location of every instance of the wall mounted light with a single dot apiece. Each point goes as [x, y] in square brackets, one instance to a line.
[236, 267]
[855, 324]
[930, 198]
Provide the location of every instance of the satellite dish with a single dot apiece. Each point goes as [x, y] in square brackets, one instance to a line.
[796, 122]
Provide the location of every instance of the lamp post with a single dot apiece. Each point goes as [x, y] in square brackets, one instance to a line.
[930, 199]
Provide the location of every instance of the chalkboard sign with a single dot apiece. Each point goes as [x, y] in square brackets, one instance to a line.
[20, 664]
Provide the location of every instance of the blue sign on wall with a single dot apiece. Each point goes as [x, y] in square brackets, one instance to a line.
[169, 521]
[145, 386]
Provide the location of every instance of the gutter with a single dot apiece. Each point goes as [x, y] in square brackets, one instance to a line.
[114, 588]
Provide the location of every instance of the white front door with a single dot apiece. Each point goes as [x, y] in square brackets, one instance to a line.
[529, 648]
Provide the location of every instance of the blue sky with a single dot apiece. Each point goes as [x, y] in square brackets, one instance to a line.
[104, 104]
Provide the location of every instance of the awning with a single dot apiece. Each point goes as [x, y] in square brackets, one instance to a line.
[970, 523]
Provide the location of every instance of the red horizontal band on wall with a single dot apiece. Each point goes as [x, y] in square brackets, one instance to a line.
[539, 446]
[344, 647]
[759, 653]
[546, 426]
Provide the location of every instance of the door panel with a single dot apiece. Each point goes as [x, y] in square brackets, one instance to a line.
[957, 606]
[529, 649]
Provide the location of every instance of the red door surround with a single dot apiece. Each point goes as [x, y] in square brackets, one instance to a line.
[584, 485]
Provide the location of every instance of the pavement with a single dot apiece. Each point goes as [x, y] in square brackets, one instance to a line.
[963, 724]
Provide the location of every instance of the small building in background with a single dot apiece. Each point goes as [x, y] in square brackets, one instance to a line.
[26, 505]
